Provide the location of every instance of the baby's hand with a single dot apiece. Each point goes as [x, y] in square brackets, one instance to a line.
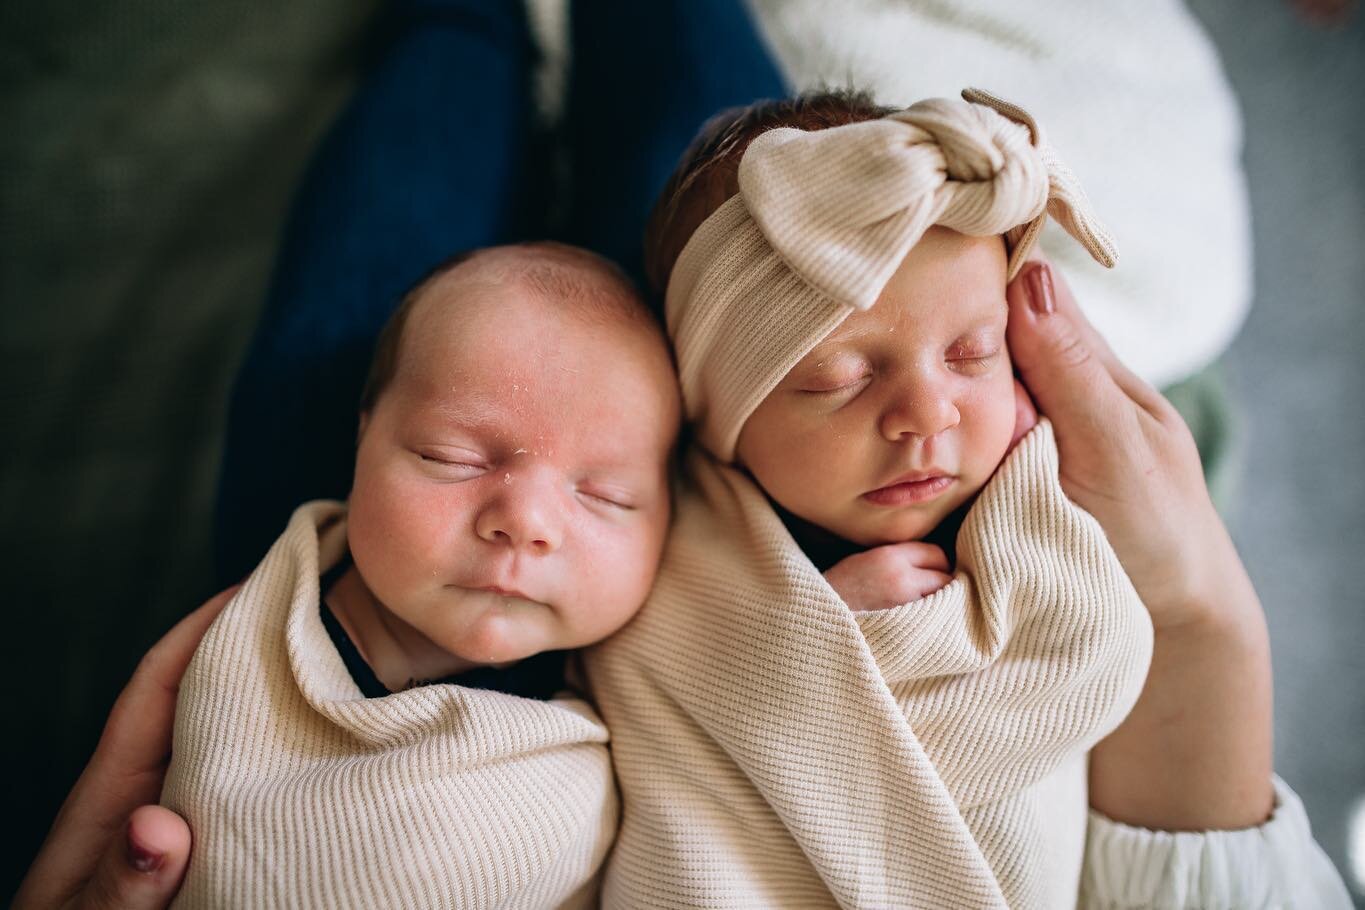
[889, 575]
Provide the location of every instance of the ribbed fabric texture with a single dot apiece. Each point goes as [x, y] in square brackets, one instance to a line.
[302, 793]
[776, 749]
[822, 220]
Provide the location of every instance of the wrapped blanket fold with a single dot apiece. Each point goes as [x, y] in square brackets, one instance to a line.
[302, 793]
[774, 748]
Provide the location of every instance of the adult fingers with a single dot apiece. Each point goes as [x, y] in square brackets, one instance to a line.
[137, 735]
[143, 868]
[126, 770]
[1133, 385]
[1058, 357]
[1052, 283]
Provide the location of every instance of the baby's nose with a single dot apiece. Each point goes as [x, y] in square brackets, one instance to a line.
[525, 514]
[921, 413]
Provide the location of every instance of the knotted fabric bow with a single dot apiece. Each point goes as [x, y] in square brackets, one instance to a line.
[823, 219]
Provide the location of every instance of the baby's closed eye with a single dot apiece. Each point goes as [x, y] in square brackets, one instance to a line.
[841, 373]
[974, 355]
[451, 462]
[609, 497]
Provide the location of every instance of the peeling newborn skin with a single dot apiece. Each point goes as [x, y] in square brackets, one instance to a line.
[489, 527]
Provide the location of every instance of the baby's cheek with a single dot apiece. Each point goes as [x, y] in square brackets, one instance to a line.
[396, 528]
[612, 578]
[806, 464]
[992, 413]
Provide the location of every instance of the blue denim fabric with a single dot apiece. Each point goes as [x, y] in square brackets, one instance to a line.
[646, 76]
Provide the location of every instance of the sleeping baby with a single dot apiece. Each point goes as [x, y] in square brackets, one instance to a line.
[818, 706]
[379, 718]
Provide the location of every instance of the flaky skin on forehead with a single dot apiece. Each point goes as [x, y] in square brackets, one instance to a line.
[589, 286]
[708, 172]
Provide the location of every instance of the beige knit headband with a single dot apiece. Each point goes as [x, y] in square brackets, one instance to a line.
[823, 219]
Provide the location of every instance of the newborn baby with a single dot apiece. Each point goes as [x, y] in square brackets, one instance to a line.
[379, 717]
[900, 415]
[883, 734]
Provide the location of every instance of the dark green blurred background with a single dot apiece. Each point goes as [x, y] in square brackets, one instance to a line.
[147, 154]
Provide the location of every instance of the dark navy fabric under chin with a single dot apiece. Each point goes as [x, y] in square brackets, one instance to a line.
[539, 676]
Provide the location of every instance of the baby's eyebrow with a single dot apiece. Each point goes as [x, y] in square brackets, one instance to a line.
[831, 350]
[472, 412]
[616, 466]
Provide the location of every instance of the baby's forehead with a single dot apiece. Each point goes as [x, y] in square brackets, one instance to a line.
[504, 327]
[593, 426]
[505, 352]
[555, 279]
[908, 316]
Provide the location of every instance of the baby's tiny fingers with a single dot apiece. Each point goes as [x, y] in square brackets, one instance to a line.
[923, 555]
[925, 582]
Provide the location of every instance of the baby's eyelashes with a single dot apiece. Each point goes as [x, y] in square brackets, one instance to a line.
[826, 386]
[454, 462]
[974, 354]
[975, 362]
[831, 373]
[609, 499]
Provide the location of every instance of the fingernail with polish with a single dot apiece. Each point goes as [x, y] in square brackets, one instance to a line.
[141, 858]
[1040, 296]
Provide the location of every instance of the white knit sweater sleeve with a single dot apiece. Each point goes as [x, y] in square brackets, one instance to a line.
[1275, 865]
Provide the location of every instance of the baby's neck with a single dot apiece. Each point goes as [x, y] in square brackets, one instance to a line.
[400, 656]
[825, 548]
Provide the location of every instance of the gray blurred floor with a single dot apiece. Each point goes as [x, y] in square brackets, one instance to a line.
[1297, 372]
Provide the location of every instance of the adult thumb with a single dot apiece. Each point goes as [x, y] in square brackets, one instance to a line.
[143, 868]
[1060, 358]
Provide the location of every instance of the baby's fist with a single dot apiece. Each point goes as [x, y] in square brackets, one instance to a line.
[889, 575]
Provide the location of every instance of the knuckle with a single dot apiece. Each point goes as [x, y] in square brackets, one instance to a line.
[1070, 350]
[103, 891]
[885, 560]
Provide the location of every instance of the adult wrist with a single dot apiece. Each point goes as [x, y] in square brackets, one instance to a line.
[1207, 589]
[1195, 753]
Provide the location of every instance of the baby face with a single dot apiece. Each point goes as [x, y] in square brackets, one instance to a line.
[904, 411]
[511, 484]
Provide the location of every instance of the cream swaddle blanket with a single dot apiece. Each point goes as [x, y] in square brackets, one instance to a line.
[773, 747]
[303, 793]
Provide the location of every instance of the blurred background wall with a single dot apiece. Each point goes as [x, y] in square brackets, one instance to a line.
[147, 155]
[1298, 373]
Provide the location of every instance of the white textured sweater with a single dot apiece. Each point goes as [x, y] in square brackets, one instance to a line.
[776, 749]
[300, 792]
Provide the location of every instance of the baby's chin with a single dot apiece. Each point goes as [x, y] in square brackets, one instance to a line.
[899, 532]
[503, 634]
[898, 526]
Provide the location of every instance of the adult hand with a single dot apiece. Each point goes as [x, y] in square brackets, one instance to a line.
[1127, 456]
[110, 845]
[1195, 752]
